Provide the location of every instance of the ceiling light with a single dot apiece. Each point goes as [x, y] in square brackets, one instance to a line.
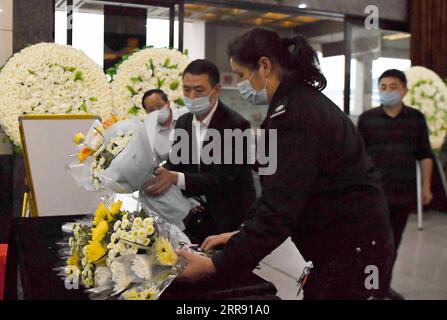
[302, 6]
[396, 36]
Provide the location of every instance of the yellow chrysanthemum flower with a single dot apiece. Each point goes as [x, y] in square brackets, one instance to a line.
[79, 138]
[100, 231]
[149, 294]
[131, 295]
[95, 251]
[114, 210]
[100, 214]
[164, 252]
[73, 260]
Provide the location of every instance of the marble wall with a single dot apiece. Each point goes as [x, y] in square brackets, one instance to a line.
[33, 22]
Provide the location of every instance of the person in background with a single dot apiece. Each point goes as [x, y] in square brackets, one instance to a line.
[225, 191]
[325, 194]
[396, 136]
[160, 122]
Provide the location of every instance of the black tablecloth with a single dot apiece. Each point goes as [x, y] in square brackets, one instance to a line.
[33, 252]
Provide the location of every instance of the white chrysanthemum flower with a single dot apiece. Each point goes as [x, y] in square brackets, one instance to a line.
[116, 225]
[103, 277]
[428, 93]
[122, 275]
[148, 69]
[51, 78]
[142, 266]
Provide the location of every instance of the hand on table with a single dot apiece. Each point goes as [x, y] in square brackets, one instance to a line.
[198, 267]
[213, 241]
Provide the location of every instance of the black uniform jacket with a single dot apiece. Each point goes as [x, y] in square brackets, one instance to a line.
[325, 194]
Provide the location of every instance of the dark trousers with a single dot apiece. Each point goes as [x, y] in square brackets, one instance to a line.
[398, 218]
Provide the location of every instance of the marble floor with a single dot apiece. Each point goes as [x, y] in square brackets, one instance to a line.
[420, 272]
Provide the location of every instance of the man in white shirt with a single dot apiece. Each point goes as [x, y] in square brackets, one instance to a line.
[160, 122]
[226, 191]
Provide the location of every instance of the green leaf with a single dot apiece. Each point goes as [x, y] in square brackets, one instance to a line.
[70, 69]
[134, 111]
[166, 63]
[160, 82]
[111, 72]
[93, 99]
[174, 85]
[79, 76]
[16, 149]
[131, 90]
[136, 79]
[84, 106]
[70, 110]
[186, 52]
[180, 102]
[152, 66]
[32, 72]
[174, 66]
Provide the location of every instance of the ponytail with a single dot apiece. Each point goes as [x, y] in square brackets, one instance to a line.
[294, 55]
[304, 61]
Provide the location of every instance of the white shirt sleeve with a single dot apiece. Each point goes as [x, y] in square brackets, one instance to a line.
[181, 180]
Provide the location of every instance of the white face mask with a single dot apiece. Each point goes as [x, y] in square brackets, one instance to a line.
[198, 106]
[163, 114]
[251, 94]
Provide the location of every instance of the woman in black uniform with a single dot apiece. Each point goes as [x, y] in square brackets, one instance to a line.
[325, 194]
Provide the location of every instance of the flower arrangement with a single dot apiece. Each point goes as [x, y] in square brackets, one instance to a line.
[146, 69]
[48, 78]
[130, 254]
[95, 146]
[428, 93]
[114, 155]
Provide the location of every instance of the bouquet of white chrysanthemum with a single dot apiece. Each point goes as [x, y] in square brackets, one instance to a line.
[121, 254]
[116, 156]
[428, 93]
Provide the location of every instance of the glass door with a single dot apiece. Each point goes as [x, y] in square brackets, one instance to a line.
[370, 52]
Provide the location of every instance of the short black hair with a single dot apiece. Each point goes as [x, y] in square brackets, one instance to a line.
[202, 66]
[394, 73]
[163, 95]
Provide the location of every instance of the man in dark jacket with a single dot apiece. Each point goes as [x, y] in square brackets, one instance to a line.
[226, 191]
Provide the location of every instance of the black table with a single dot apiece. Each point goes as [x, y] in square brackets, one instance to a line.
[33, 255]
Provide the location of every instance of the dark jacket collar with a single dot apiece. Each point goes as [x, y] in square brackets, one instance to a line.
[282, 95]
[283, 92]
[218, 116]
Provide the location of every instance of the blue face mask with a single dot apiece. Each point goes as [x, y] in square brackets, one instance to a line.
[389, 99]
[251, 94]
[198, 106]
